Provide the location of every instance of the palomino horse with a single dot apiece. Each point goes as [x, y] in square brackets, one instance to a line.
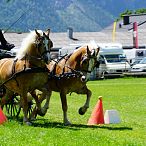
[27, 71]
[71, 73]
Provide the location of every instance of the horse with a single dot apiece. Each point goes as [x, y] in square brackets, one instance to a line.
[70, 74]
[27, 71]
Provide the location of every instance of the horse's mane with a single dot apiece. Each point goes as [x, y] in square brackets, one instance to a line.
[91, 45]
[27, 43]
[73, 55]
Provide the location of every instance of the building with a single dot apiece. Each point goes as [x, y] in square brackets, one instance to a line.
[123, 34]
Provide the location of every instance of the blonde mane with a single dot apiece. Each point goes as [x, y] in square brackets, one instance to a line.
[92, 45]
[27, 43]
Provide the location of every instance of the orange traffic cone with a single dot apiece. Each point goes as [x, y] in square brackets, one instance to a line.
[97, 116]
[3, 118]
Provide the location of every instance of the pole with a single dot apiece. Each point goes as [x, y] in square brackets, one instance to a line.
[114, 31]
[135, 35]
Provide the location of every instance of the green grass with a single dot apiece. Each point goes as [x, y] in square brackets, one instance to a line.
[127, 95]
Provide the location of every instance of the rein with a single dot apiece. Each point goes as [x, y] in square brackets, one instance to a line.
[38, 46]
[43, 53]
[26, 70]
[33, 57]
[89, 57]
[73, 70]
[87, 71]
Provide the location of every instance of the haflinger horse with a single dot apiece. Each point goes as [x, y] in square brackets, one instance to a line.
[71, 73]
[27, 71]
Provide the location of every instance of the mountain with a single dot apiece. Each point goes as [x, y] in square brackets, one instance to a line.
[81, 15]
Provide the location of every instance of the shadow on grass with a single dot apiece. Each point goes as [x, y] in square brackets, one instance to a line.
[47, 124]
[44, 123]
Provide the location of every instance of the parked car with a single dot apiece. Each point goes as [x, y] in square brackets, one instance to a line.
[140, 66]
[113, 61]
[135, 55]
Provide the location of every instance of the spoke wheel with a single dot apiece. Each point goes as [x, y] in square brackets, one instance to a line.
[12, 107]
[31, 106]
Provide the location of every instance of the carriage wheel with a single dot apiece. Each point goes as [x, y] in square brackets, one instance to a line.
[13, 106]
[31, 107]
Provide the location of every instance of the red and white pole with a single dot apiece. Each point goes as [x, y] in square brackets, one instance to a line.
[135, 35]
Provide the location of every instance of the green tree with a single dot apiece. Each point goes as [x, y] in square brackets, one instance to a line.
[127, 12]
[140, 11]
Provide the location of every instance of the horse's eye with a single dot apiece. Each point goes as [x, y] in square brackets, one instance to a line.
[85, 61]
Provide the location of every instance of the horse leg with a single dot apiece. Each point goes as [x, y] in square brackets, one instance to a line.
[25, 109]
[33, 114]
[46, 95]
[64, 108]
[84, 108]
[39, 98]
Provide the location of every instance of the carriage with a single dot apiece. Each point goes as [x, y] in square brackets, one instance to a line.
[68, 74]
[19, 75]
[11, 106]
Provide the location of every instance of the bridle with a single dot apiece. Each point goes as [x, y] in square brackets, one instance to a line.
[43, 41]
[86, 59]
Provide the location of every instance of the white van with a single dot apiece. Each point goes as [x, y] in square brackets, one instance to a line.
[135, 55]
[113, 61]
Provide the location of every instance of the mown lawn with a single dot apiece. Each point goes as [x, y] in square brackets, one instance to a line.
[127, 95]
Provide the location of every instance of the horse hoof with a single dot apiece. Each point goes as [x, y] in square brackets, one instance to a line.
[40, 113]
[28, 123]
[81, 111]
[67, 124]
[32, 119]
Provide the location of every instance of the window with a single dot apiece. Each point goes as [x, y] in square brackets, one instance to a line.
[139, 53]
[115, 58]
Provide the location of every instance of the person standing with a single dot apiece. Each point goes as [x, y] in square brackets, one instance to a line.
[4, 44]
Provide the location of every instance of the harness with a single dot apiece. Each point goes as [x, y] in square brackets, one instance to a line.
[89, 71]
[74, 73]
[25, 70]
[32, 69]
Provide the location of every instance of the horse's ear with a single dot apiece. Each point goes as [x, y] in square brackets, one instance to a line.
[37, 33]
[44, 34]
[88, 51]
[93, 52]
[48, 32]
[97, 50]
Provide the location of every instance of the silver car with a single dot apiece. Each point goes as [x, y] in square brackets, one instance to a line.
[140, 66]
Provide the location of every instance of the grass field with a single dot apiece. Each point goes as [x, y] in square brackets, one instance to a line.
[127, 95]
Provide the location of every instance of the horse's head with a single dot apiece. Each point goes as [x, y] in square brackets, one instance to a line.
[89, 61]
[36, 45]
[43, 45]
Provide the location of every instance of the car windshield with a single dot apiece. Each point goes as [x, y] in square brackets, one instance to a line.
[143, 61]
[115, 58]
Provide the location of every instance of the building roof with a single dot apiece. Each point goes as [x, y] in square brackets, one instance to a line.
[123, 34]
[126, 24]
[62, 39]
